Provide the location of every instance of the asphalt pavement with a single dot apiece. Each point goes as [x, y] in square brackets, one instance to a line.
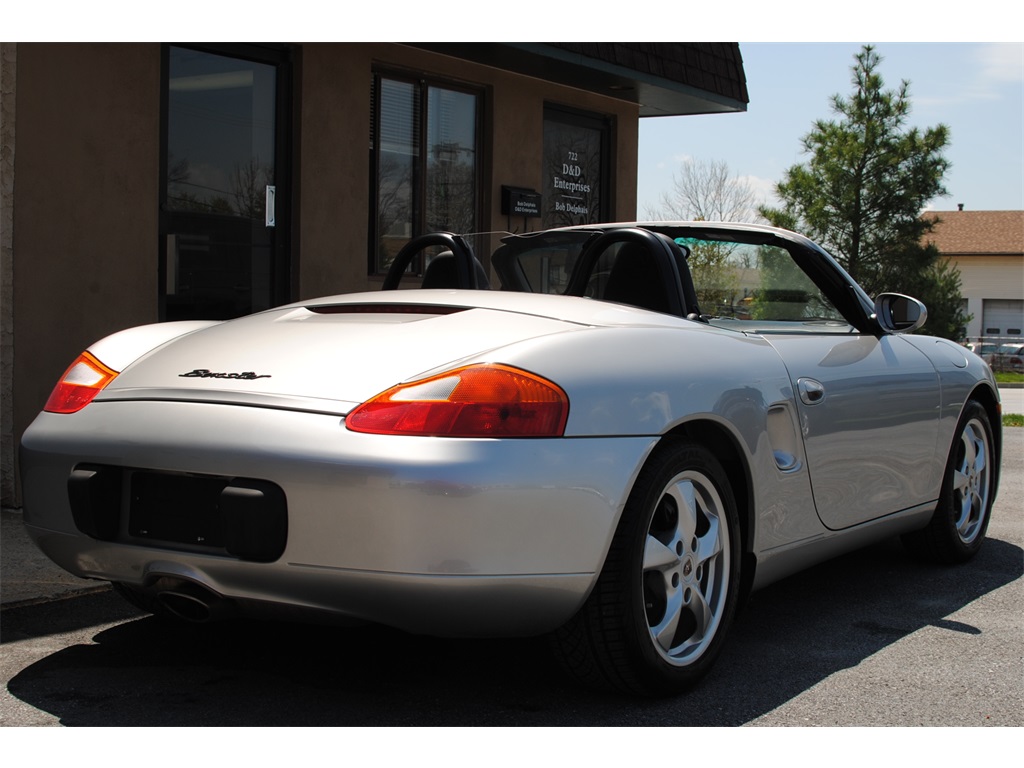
[26, 574]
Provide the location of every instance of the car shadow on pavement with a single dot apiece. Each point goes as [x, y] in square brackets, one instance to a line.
[787, 638]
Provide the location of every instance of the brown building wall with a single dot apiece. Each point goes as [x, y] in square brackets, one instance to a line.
[85, 212]
[85, 253]
[8, 102]
[332, 168]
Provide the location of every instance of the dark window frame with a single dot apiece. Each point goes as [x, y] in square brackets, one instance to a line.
[422, 83]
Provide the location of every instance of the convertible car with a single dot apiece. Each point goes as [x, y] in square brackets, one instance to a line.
[636, 425]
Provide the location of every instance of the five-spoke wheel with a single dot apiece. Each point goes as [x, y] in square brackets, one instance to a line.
[686, 567]
[971, 485]
[957, 528]
[658, 615]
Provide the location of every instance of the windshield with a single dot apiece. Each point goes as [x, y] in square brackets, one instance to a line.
[753, 282]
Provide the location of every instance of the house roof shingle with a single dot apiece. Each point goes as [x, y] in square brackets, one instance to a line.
[661, 78]
[713, 67]
[966, 233]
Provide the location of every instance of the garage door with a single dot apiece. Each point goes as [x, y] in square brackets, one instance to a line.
[1003, 317]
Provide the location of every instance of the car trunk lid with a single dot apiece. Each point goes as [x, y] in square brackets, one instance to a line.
[327, 357]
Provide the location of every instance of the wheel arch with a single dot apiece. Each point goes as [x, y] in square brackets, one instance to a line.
[987, 398]
[726, 448]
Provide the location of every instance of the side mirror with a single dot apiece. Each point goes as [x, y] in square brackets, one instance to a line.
[896, 313]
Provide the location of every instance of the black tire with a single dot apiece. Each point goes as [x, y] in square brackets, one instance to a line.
[957, 528]
[663, 603]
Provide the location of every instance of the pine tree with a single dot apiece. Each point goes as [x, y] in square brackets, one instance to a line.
[862, 192]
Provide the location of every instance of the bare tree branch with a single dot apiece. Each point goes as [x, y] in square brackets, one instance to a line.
[707, 191]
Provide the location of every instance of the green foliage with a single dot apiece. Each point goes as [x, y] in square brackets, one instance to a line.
[784, 291]
[1013, 420]
[775, 297]
[861, 193]
[938, 286]
[719, 280]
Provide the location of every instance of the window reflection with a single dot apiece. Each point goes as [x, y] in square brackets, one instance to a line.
[220, 134]
[451, 164]
[575, 151]
[399, 152]
[425, 175]
[218, 240]
[753, 282]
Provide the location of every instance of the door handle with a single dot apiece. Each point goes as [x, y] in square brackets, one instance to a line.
[271, 199]
[812, 392]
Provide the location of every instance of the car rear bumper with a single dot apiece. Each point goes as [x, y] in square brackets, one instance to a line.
[463, 605]
[446, 536]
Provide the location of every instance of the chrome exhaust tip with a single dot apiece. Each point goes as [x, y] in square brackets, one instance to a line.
[192, 603]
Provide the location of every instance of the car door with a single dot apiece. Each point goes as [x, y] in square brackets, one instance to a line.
[869, 416]
[868, 403]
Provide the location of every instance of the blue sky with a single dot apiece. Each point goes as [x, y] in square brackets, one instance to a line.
[975, 89]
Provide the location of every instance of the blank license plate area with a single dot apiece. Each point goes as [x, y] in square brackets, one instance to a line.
[184, 509]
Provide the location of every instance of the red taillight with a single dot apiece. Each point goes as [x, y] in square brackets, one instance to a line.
[81, 382]
[476, 401]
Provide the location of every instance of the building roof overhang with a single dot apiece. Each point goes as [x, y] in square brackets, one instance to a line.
[663, 79]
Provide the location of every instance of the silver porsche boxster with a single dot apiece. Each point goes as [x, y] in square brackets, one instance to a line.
[636, 425]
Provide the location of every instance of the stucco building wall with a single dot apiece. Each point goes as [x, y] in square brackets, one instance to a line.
[8, 102]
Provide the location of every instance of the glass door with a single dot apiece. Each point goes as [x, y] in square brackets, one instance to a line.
[225, 198]
[576, 167]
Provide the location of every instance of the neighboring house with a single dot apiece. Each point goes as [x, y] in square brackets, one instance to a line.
[988, 249]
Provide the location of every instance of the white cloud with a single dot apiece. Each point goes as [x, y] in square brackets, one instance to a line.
[1002, 62]
[956, 75]
[763, 188]
[993, 67]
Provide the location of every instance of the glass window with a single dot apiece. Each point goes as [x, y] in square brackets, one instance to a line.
[220, 133]
[451, 161]
[540, 263]
[424, 160]
[760, 285]
[397, 156]
[575, 168]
